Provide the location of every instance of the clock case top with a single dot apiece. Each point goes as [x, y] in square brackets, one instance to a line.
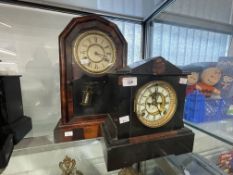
[123, 101]
[73, 78]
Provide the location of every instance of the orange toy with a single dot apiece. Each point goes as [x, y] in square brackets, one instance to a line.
[209, 77]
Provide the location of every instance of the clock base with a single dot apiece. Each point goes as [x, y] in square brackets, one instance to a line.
[6, 148]
[18, 128]
[78, 128]
[121, 153]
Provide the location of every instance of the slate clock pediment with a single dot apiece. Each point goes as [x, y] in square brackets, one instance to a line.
[152, 66]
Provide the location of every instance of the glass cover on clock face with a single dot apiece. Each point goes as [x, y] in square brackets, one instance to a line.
[94, 51]
[155, 103]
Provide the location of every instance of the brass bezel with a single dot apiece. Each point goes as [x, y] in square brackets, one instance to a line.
[77, 59]
[172, 109]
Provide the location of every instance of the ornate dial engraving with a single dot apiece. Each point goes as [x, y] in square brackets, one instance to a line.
[94, 51]
[155, 103]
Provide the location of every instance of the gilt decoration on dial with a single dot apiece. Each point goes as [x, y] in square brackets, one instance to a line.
[155, 103]
[94, 51]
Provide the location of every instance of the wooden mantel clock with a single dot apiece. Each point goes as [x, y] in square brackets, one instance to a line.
[89, 48]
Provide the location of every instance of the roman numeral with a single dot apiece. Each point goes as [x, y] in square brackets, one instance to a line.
[141, 104]
[89, 40]
[96, 66]
[95, 38]
[83, 52]
[89, 64]
[106, 59]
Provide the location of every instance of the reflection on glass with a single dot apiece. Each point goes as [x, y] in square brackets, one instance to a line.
[8, 52]
[183, 45]
[5, 25]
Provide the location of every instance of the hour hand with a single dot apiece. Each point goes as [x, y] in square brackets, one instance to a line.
[99, 54]
[153, 96]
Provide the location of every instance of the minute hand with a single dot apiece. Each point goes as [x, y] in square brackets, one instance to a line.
[158, 110]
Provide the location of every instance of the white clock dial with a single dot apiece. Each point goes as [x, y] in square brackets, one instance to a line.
[94, 51]
[155, 103]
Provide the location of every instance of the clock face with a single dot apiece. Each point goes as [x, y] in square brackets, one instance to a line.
[94, 52]
[155, 103]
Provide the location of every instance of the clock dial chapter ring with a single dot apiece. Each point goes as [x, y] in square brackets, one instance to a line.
[94, 52]
[155, 103]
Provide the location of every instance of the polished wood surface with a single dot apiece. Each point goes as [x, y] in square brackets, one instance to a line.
[69, 71]
[73, 79]
[78, 129]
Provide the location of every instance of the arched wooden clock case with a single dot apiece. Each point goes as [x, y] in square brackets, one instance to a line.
[83, 89]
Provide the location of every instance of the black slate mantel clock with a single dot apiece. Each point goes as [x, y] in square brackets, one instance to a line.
[146, 119]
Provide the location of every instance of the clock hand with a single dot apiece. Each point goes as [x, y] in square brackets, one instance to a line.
[149, 104]
[153, 96]
[99, 54]
[162, 106]
[158, 110]
[103, 56]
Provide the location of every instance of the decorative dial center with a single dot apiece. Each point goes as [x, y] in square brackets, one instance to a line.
[155, 104]
[96, 53]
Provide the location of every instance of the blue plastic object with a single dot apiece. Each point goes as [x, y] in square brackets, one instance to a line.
[200, 109]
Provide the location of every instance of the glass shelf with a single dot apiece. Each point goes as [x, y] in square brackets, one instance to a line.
[39, 155]
[221, 130]
[42, 140]
[44, 143]
[35, 150]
